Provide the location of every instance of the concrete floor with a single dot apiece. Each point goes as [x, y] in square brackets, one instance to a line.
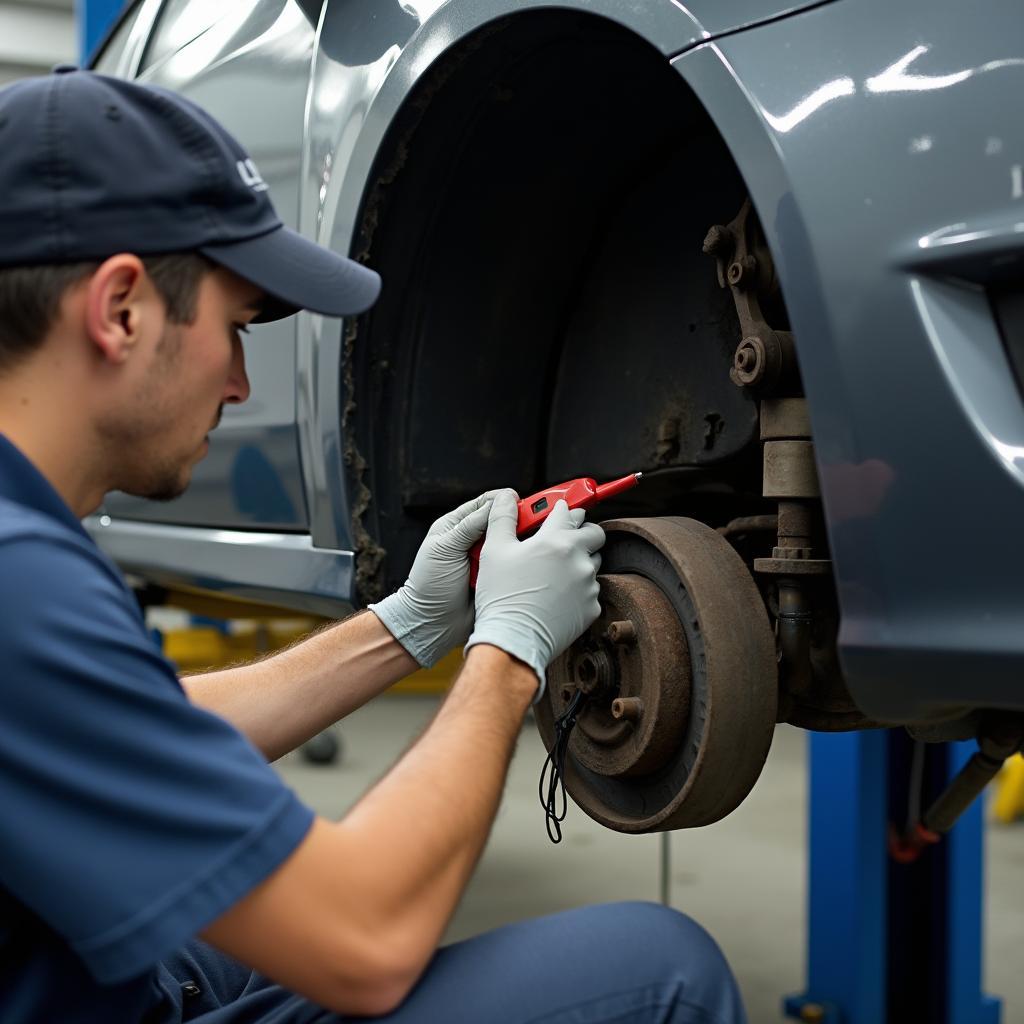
[743, 878]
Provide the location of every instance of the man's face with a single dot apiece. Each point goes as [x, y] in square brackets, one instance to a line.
[178, 387]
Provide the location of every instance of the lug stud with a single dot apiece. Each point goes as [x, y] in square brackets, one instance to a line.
[629, 708]
[621, 631]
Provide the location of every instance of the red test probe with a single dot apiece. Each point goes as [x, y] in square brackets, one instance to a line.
[583, 492]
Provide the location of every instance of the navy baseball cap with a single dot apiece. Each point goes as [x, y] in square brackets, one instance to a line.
[92, 166]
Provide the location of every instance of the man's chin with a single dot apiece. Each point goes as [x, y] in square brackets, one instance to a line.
[163, 490]
[165, 493]
[168, 494]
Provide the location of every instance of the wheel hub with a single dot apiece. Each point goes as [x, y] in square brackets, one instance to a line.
[633, 664]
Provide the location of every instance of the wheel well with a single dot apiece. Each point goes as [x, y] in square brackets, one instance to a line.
[536, 212]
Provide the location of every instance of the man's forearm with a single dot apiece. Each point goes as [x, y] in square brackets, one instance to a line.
[433, 812]
[284, 700]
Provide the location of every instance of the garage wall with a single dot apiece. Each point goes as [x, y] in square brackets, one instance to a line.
[35, 35]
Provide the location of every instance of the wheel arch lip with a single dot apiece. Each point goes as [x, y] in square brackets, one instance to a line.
[764, 167]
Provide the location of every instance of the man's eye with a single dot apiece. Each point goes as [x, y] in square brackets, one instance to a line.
[241, 328]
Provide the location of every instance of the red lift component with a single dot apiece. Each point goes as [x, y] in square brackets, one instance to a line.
[583, 492]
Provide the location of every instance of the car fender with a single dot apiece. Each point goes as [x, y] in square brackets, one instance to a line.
[885, 167]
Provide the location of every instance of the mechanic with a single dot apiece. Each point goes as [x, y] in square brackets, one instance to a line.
[153, 866]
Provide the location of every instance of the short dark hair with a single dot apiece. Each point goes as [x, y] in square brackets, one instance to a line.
[31, 296]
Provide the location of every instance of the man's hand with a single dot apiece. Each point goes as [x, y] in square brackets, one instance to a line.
[534, 597]
[433, 611]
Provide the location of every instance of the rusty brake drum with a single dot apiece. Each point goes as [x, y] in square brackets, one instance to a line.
[681, 675]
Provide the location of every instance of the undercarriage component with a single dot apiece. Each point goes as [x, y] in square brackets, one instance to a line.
[680, 672]
[790, 477]
[765, 359]
[797, 575]
[1000, 737]
[969, 782]
[812, 692]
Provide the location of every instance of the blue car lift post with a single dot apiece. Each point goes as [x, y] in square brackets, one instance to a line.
[890, 942]
[94, 18]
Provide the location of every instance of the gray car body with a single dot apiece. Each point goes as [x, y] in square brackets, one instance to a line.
[883, 147]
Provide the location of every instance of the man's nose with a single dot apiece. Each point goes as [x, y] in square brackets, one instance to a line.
[237, 388]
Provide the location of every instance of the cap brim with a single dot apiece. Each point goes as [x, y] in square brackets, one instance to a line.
[298, 274]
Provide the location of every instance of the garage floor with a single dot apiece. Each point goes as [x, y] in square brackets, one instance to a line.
[743, 878]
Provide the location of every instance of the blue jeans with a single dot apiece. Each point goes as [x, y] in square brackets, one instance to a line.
[628, 963]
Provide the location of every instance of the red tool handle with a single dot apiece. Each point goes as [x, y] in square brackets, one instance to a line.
[583, 492]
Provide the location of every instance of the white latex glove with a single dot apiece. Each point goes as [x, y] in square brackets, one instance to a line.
[432, 612]
[535, 596]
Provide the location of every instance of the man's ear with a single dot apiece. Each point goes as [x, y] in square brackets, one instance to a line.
[115, 301]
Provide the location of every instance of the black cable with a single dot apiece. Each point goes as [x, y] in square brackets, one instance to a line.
[555, 762]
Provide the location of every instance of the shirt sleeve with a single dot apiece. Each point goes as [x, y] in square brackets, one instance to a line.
[133, 817]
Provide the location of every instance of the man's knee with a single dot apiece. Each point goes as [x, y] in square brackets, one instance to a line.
[619, 961]
[671, 948]
[663, 933]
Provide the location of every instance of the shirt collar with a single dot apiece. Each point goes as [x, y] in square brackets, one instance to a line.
[23, 484]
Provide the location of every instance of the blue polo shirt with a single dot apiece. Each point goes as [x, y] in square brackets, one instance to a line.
[131, 817]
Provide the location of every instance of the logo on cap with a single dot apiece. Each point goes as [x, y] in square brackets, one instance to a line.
[251, 176]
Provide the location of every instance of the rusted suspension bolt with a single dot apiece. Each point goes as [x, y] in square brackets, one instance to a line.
[749, 361]
[791, 554]
[621, 631]
[629, 708]
[717, 240]
[741, 272]
[746, 358]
